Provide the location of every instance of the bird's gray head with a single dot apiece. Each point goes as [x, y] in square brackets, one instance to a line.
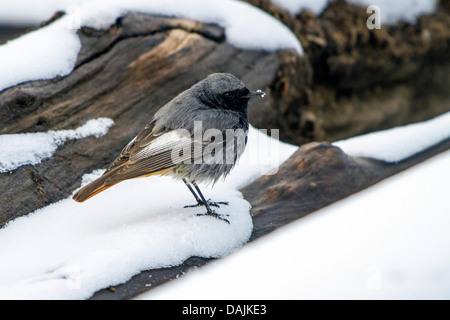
[224, 91]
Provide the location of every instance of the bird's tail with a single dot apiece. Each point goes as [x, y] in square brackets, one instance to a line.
[92, 189]
[107, 181]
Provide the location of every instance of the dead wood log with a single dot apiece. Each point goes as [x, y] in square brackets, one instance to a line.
[125, 73]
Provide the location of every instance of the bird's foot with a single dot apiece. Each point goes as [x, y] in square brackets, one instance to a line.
[209, 202]
[215, 215]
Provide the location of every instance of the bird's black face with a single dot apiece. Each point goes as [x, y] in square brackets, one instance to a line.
[235, 99]
[225, 91]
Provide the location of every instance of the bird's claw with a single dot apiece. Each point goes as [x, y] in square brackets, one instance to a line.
[209, 202]
[215, 215]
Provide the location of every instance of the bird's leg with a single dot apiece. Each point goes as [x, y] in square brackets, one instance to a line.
[200, 201]
[209, 211]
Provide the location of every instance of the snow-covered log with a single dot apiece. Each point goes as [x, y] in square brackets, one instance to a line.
[124, 73]
[317, 175]
[104, 81]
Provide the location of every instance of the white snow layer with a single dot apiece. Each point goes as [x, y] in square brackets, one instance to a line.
[52, 51]
[43, 54]
[296, 6]
[31, 148]
[390, 241]
[391, 11]
[398, 143]
[407, 10]
[69, 250]
[32, 12]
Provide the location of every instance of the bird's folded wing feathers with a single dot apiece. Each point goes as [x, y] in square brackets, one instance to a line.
[151, 155]
[134, 146]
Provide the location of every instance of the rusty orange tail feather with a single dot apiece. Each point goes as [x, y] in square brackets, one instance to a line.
[97, 186]
[80, 198]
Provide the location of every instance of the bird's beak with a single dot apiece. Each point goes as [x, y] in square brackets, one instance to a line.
[255, 93]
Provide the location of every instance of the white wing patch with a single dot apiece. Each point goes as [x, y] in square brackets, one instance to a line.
[169, 141]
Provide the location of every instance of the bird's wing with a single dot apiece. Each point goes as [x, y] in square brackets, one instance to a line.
[140, 141]
[150, 153]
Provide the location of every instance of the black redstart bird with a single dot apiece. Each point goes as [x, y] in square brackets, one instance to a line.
[196, 137]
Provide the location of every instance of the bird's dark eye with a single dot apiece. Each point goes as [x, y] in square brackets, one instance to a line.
[228, 95]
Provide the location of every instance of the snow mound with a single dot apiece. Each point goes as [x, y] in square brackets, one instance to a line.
[397, 144]
[69, 250]
[389, 241]
[401, 10]
[296, 6]
[31, 148]
[43, 54]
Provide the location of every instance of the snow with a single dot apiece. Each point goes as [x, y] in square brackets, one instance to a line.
[407, 10]
[399, 143]
[263, 158]
[32, 12]
[69, 250]
[296, 6]
[25, 12]
[377, 243]
[245, 26]
[31, 148]
[44, 54]
[387, 242]
[391, 11]
[55, 47]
